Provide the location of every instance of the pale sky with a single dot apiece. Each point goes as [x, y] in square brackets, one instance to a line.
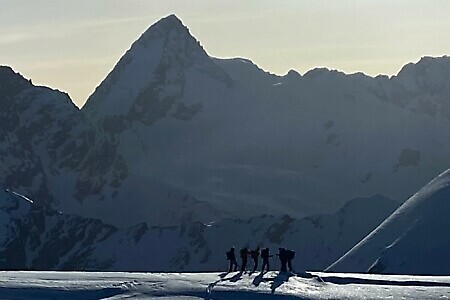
[72, 45]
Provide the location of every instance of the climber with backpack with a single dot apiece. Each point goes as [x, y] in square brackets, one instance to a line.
[254, 254]
[283, 259]
[244, 255]
[231, 257]
[290, 255]
[265, 254]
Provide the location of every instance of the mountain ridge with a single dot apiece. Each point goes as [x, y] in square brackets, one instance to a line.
[242, 141]
[39, 238]
[179, 144]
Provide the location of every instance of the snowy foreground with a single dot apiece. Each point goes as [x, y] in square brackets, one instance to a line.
[115, 285]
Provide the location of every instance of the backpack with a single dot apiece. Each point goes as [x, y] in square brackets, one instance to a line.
[265, 253]
[228, 254]
[243, 253]
[290, 254]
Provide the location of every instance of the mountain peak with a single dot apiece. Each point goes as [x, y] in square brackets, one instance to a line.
[6, 69]
[6, 72]
[293, 74]
[11, 82]
[156, 62]
[163, 27]
[170, 20]
[425, 63]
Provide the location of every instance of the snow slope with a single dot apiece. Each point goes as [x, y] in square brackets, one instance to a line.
[79, 285]
[413, 240]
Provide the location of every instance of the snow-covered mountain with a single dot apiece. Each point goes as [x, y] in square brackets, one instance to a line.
[194, 246]
[413, 240]
[39, 238]
[248, 142]
[148, 82]
[174, 134]
[50, 152]
[177, 148]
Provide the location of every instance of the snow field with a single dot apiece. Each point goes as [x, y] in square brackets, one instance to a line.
[119, 285]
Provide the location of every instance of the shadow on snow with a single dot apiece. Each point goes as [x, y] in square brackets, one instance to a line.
[352, 280]
[51, 293]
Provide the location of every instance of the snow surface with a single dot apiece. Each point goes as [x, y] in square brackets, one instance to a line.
[413, 240]
[82, 285]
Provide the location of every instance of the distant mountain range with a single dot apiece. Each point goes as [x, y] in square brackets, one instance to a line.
[33, 237]
[173, 136]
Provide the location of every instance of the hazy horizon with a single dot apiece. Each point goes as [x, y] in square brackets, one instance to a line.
[73, 46]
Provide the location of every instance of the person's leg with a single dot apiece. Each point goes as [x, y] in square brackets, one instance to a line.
[283, 266]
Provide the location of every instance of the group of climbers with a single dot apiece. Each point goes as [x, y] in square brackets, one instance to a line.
[285, 256]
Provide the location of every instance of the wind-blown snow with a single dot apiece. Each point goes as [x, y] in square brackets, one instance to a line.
[20, 196]
[79, 285]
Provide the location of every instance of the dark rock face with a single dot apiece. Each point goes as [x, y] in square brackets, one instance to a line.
[276, 232]
[407, 158]
[38, 238]
[47, 137]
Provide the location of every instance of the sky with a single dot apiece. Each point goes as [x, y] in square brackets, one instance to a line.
[72, 45]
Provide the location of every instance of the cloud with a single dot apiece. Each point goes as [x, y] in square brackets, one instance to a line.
[15, 37]
[70, 63]
[45, 31]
